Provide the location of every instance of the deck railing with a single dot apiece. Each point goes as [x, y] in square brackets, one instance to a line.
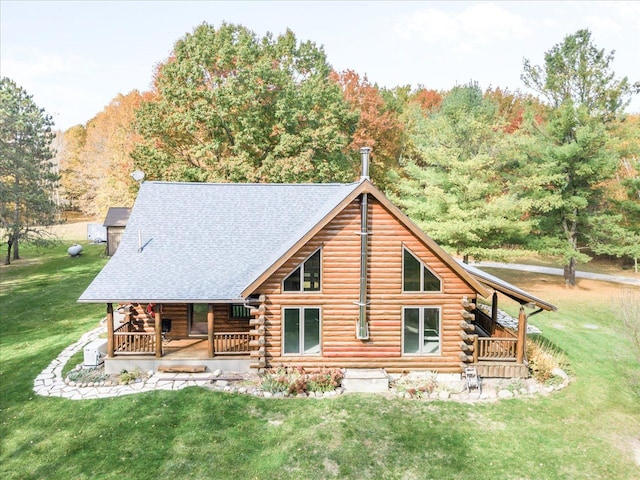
[126, 340]
[231, 343]
[497, 348]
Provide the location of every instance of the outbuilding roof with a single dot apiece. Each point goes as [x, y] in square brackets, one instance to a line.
[117, 217]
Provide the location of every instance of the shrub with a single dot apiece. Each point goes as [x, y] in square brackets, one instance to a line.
[87, 375]
[420, 387]
[543, 358]
[127, 377]
[324, 380]
[294, 380]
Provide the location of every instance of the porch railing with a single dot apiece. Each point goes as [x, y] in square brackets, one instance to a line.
[126, 340]
[497, 348]
[231, 343]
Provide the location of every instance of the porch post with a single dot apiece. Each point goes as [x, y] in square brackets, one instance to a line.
[522, 336]
[109, 330]
[210, 324]
[158, 325]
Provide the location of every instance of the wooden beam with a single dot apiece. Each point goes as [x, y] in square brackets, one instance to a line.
[158, 325]
[210, 338]
[109, 330]
[522, 336]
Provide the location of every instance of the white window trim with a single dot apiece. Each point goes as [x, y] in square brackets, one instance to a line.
[423, 266]
[301, 309]
[421, 309]
[301, 267]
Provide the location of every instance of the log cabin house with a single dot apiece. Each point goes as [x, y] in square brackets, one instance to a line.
[251, 276]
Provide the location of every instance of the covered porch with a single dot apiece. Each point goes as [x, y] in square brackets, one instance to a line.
[164, 336]
[494, 342]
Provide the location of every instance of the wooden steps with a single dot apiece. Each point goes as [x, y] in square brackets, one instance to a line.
[182, 368]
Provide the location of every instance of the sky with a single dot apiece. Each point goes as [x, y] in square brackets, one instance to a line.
[74, 57]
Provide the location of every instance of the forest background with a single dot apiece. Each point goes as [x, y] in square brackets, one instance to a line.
[487, 173]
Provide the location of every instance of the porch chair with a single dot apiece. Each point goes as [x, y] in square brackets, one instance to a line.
[166, 328]
[473, 381]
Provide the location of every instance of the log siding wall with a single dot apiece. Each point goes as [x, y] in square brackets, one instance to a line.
[340, 243]
[179, 315]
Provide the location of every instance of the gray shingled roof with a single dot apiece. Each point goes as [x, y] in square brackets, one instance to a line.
[117, 217]
[205, 242]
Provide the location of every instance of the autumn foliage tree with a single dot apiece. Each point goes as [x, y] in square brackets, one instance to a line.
[378, 126]
[230, 106]
[97, 163]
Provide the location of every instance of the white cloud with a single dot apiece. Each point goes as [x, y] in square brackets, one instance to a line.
[33, 64]
[465, 31]
[602, 24]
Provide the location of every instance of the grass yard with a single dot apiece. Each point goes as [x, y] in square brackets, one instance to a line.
[589, 430]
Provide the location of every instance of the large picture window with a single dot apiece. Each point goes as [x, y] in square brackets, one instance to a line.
[421, 331]
[305, 278]
[416, 276]
[301, 331]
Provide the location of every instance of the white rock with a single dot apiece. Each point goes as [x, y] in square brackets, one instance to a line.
[558, 372]
[444, 395]
[505, 394]
[217, 373]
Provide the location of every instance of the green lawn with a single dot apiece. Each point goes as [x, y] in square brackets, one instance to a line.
[588, 430]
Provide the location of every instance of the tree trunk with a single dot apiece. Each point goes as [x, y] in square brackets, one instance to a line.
[16, 248]
[8, 258]
[570, 273]
[465, 259]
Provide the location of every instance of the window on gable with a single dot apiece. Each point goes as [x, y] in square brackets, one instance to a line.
[421, 331]
[416, 276]
[301, 331]
[305, 278]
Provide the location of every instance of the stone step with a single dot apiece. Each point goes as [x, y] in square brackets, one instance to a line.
[361, 380]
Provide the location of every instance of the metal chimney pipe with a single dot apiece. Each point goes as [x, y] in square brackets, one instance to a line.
[364, 156]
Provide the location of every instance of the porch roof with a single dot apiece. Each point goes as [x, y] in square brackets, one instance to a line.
[507, 289]
[200, 242]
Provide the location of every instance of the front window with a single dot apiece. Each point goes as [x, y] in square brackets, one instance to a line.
[305, 278]
[421, 331]
[301, 331]
[416, 276]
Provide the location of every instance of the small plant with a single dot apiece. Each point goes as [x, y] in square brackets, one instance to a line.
[276, 380]
[514, 385]
[127, 377]
[87, 375]
[324, 380]
[294, 380]
[419, 387]
[543, 358]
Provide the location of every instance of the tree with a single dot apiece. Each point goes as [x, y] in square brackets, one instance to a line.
[618, 233]
[456, 184]
[106, 155]
[230, 106]
[27, 181]
[378, 126]
[566, 174]
[71, 167]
